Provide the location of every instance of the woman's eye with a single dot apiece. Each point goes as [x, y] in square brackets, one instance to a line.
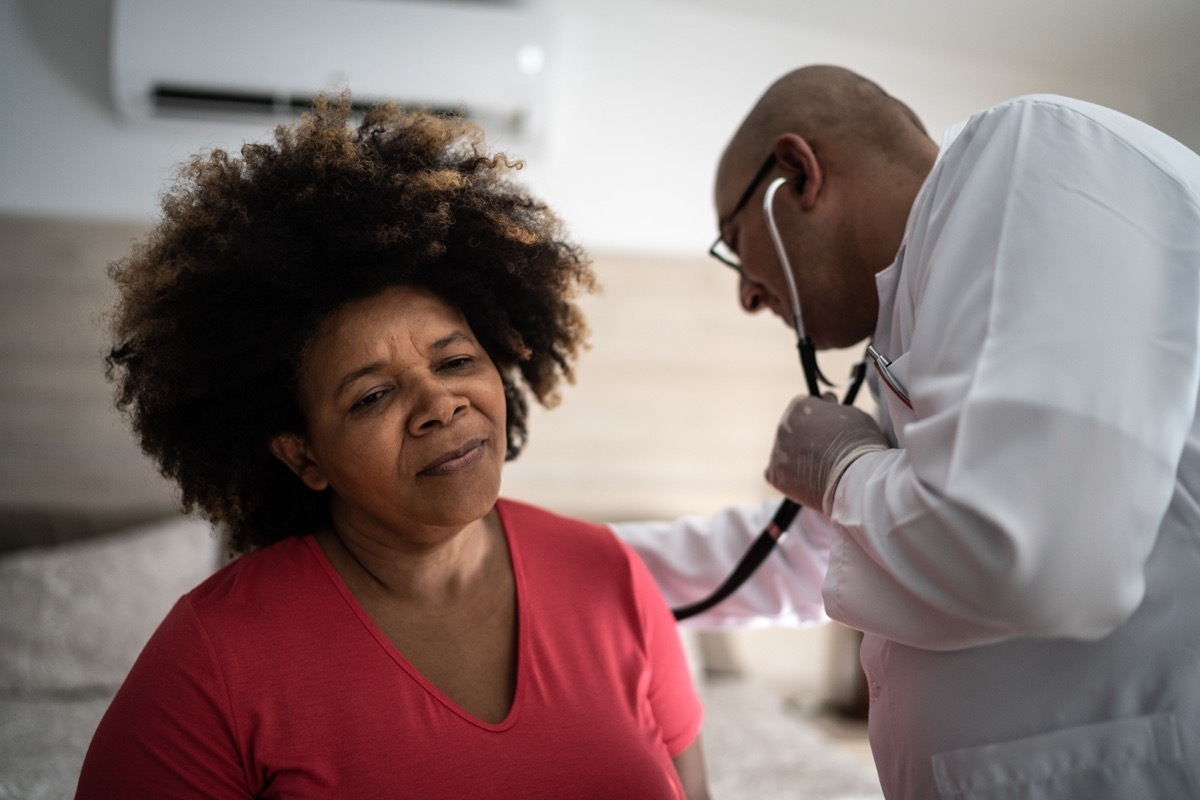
[368, 400]
[458, 362]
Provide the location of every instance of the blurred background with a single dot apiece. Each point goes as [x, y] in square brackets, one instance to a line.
[619, 109]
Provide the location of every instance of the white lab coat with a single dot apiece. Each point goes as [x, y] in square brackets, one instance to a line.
[1026, 563]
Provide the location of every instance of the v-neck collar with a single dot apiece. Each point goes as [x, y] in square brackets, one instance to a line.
[429, 686]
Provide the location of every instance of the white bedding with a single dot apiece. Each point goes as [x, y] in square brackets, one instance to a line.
[42, 743]
[73, 618]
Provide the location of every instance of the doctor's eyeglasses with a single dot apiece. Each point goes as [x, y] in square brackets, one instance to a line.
[720, 249]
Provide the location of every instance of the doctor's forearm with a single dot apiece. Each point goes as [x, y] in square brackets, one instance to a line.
[689, 557]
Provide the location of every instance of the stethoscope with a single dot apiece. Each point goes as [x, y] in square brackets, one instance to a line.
[762, 546]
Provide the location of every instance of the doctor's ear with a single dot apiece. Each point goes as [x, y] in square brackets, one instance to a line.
[292, 449]
[795, 156]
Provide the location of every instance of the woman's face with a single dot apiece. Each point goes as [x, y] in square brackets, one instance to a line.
[406, 417]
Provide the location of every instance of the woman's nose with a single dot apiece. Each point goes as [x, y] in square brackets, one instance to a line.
[751, 295]
[435, 405]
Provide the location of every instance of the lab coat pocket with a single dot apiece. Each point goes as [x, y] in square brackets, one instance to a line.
[893, 391]
[1118, 760]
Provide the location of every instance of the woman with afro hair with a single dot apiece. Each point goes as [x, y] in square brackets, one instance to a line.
[327, 344]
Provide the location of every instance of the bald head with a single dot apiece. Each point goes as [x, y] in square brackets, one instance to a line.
[831, 107]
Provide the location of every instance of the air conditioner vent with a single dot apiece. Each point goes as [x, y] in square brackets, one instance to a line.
[268, 59]
[192, 102]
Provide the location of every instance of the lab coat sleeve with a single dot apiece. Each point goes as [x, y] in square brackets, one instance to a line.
[690, 556]
[1052, 274]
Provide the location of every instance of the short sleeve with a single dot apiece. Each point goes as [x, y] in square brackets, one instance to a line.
[673, 697]
[169, 732]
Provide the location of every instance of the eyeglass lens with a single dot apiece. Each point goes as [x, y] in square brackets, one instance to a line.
[720, 249]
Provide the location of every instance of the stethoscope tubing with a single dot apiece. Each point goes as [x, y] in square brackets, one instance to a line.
[754, 556]
[766, 541]
[772, 534]
[794, 296]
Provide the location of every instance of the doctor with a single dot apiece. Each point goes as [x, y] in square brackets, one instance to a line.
[1018, 533]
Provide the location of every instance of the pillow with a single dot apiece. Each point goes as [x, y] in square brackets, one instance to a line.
[73, 617]
[40, 526]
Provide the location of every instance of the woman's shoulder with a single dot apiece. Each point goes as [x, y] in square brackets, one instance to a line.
[276, 573]
[560, 536]
[525, 513]
[576, 561]
[526, 519]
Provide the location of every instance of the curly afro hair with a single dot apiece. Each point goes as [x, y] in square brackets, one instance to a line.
[217, 305]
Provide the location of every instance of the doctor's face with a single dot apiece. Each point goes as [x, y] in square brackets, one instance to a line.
[818, 238]
[738, 248]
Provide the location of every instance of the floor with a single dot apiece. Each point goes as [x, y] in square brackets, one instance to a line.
[846, 733]
[762, 746]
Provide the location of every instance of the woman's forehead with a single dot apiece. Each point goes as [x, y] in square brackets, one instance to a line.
[397, 318]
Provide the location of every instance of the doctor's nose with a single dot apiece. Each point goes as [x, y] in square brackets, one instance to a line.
[751, 294]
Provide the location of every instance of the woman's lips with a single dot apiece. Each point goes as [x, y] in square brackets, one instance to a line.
[458, 460]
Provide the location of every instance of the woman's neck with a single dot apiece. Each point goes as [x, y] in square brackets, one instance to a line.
[449, 607]
[440, 569]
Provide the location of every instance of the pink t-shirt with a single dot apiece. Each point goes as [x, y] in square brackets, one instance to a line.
[269, 680]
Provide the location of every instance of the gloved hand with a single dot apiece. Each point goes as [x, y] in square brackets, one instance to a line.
[816, 441]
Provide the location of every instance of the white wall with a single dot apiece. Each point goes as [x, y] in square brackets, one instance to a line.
[644, 94]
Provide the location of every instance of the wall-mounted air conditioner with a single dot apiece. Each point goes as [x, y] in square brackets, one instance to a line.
[236, 59]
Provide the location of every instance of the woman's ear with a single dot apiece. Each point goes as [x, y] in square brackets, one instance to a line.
[795, 156]
[293, 451]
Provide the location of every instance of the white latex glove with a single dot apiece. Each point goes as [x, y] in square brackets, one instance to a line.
[816, 441]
